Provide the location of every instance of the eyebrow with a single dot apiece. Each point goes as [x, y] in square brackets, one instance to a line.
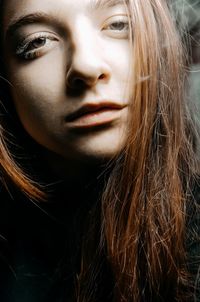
[39, 17]
[97, 4]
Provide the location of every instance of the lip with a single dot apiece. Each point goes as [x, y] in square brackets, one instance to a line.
[92, 115]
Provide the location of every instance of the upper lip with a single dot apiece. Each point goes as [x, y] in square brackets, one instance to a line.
[93, 107]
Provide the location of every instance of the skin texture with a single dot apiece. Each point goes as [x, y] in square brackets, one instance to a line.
[84, 59]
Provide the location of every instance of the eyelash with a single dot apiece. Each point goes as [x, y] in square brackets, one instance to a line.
[23, 51]
[118, 20]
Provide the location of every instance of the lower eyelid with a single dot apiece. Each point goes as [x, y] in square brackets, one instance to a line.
[21, 49]
[28, 39]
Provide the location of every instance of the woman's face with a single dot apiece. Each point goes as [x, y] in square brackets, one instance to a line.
[68, 62]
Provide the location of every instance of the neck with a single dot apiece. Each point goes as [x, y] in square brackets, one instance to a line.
[77, 173]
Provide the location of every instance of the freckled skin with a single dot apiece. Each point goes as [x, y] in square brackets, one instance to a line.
[85, 48]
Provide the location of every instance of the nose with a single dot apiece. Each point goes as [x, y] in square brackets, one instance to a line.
[88, 65]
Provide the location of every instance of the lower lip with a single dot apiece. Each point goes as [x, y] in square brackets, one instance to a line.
[94, 119]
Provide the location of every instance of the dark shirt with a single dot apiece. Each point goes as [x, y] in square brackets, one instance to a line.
[37, 245]
[39, 248]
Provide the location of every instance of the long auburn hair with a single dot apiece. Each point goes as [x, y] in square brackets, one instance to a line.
[142, 225]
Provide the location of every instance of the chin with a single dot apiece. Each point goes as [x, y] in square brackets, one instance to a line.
[88, 148]
[101, 148]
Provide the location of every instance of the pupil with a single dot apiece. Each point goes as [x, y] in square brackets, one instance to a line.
[118, 25]
[39, 42]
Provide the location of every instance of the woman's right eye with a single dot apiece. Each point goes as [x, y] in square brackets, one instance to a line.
[35, 46]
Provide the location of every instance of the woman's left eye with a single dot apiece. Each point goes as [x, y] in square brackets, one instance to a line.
[117, 26]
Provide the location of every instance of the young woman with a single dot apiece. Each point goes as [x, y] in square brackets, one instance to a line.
[99, 164]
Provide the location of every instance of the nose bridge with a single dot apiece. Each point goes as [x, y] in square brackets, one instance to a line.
[86, 48]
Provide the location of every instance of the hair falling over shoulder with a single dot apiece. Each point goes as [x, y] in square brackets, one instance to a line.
[143, 215]
[10, 170]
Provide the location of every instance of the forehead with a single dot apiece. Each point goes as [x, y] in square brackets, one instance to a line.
[24, 5]
[15, 8]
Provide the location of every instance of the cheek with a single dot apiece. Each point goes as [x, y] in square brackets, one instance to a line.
[122, 74]
[35, 78]
[37, 87]
[37, 106]
[29, 99]
[39, 115]
[39, 96]
[118, 56]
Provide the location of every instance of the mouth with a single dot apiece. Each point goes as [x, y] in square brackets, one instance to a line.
[94, 115]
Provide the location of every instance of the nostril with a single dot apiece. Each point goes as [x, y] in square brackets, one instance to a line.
[78, 83]
[102, 76]
[79, 80]
[74, 80]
